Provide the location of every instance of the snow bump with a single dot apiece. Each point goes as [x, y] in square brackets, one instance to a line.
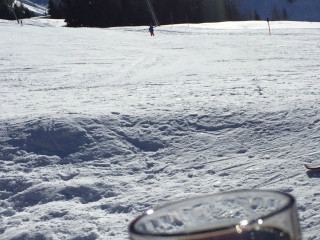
[50, 137]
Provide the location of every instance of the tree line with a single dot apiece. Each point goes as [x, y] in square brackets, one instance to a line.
[109, 13]
[11, 11]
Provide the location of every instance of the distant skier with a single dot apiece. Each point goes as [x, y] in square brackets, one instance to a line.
[151, 30]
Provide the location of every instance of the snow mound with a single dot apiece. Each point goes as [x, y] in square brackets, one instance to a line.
[69, 138]
[43, 193]
[44, 22]
[49, 137]
[36, 21]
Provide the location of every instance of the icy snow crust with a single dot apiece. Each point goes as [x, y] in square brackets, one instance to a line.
[98, 125]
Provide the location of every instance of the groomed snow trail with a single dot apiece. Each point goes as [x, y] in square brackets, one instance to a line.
[98, 125]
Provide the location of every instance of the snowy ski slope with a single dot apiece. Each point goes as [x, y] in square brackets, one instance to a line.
[98, 125]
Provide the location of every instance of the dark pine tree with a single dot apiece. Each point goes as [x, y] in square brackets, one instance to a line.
[109, 13]
[6, 10]
[20, 11]
[256, 16]
[55, 10]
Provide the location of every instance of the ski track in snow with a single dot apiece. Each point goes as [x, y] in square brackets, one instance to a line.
[99, 125]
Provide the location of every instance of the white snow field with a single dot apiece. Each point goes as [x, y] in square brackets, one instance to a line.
[99, 125]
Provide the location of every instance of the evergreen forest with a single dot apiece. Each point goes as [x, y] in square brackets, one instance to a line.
[12, 11]
[109, 13]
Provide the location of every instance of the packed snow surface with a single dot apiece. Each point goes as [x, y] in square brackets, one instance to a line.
[99, 125]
